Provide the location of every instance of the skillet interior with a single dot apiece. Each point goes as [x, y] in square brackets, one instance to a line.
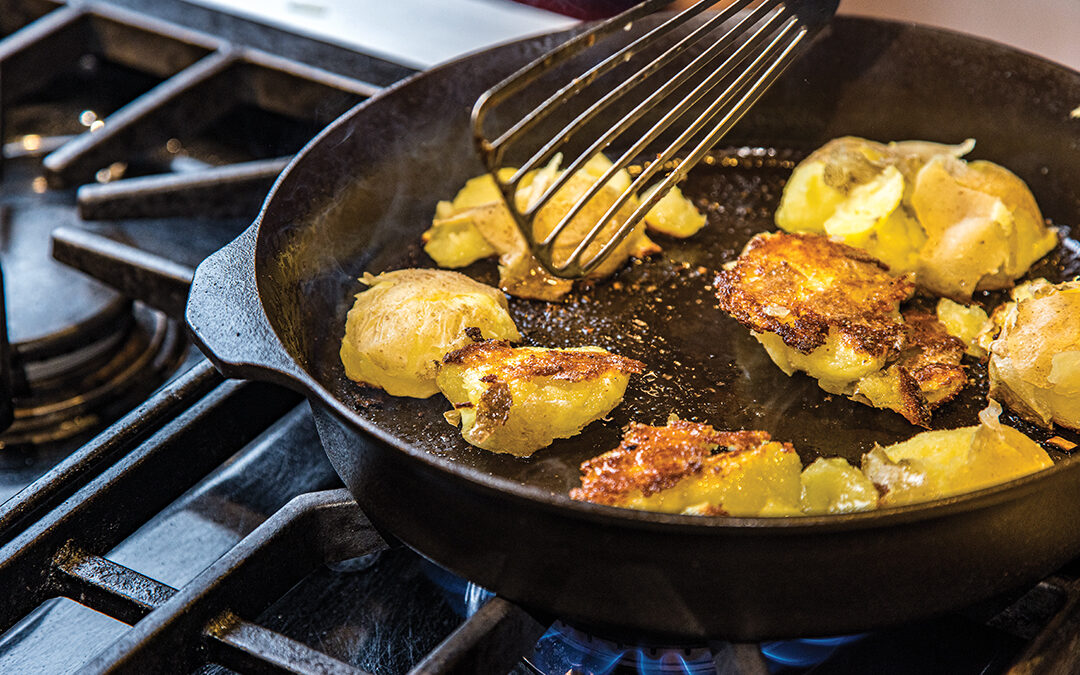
[360, 204]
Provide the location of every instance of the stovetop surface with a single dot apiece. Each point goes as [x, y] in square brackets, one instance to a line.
[381, 612]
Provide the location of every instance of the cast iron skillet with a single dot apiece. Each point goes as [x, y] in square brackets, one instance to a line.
[271, 305]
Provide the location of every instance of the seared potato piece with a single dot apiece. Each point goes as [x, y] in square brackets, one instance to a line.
[686, 467]
[477, 224]
[935, 464]
[918, 207]
[518, 400]
[834, 486]
[402, 325]
[832, 311]
[1035, 361]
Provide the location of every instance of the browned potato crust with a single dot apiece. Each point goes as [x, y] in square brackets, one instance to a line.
[800, 286]
[651, 459]
[836, 310]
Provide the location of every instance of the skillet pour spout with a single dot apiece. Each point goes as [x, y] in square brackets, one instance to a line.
[272, 304]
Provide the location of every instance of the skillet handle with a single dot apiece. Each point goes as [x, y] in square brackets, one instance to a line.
[227, 322]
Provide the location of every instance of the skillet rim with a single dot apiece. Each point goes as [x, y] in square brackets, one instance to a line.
[300, 378]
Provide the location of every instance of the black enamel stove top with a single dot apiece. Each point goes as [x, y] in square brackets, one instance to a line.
[157, 518]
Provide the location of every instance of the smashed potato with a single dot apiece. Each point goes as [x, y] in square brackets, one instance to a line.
[477, 225]
[687, 467]
[833, 312]
[406, 320]
[1035, 360]
[518, 400]
[916, 206]
[936, 464]
[674, 215]
[832, 485]
[969, 324]
[691, 468]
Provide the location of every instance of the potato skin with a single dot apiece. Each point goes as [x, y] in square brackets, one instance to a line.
[958, 226]
[403, 324]
[1035, 360]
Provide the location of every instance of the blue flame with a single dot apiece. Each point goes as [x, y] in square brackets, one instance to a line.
[563, 648]
[806, 652]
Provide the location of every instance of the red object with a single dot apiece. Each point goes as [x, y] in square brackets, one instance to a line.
[583, 9]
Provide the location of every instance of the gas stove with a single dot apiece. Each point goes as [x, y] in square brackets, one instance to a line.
[158, 518]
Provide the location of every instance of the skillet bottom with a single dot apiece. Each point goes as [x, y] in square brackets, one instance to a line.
[701, 364]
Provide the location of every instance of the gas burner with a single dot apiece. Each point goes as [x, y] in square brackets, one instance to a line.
[81, 353]
[80, 390]
[564, 650]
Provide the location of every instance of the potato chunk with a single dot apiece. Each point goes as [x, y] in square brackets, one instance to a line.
[958, 226]
[477, 224]
[1035, 361]
[674, 215]
[518, 400]
[969, 324]
[402, 325]
[833, 312]
[935, 464]
[686, 467]
[834, 486]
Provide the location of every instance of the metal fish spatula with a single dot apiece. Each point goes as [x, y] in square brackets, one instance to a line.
[673, 92]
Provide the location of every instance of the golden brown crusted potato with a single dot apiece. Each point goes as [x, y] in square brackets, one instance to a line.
[691, 468]
[804, 287]
[402, 325]
[832, 311]
[1035, 360]
[517, 400]
[958, 226]
[686, 467]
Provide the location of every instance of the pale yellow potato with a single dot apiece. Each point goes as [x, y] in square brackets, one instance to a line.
[836, 365]
[936, 464]
[456, 242]
[403, 324]
[983, 227]
[1035, 360]
[477, 224]
[832, 485]
[969, 323]
[674, 215]
[516, 400]
[917, 207]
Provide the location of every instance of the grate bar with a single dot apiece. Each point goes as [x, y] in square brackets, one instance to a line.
[492, 640]
[1056, 649]
[124, 496]
[85, 463]
[247, 647]
[309, 531]
[157, 281]
[108, 587]
[46, 47]
[236, 190]
[192, 98]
